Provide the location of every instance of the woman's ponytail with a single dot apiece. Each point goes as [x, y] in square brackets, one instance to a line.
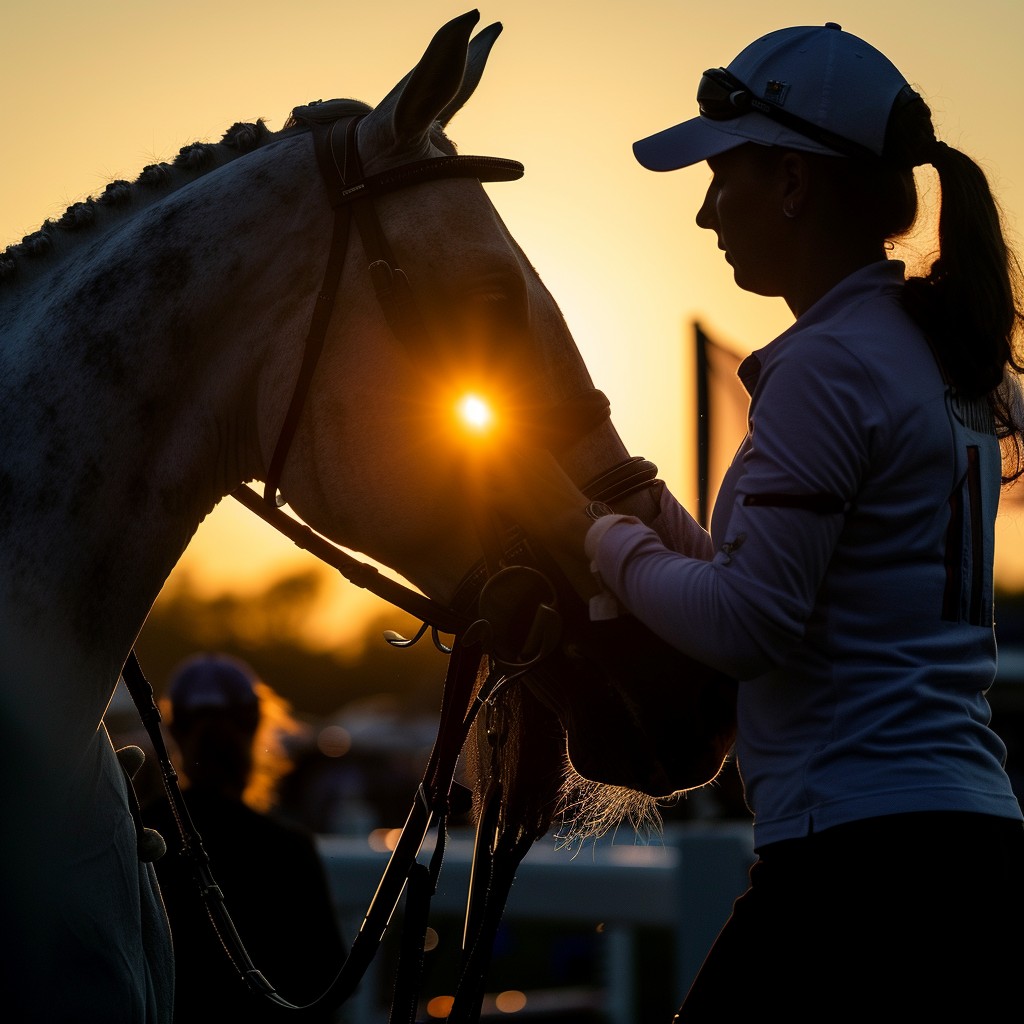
[968, 302]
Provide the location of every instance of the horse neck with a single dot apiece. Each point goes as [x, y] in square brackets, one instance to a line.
[129, 388]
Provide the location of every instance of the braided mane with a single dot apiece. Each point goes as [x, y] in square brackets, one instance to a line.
[153, 182]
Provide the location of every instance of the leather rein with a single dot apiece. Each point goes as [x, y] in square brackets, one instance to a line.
[352, 195]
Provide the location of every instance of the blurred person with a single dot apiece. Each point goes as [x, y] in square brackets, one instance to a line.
[223, 721]
[848, 577]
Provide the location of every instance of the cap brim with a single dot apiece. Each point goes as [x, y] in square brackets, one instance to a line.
[700, 139]
[684, 144]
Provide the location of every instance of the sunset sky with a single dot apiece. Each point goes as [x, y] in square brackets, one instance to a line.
[96, 91]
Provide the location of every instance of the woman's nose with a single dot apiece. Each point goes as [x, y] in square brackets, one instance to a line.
[705, 215]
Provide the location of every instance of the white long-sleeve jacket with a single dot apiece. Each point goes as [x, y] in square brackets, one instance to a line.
[850, 588]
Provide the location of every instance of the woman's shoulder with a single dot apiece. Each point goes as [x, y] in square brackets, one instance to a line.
[869, 340]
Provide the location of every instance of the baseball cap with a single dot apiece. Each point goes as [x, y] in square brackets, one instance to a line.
[812, 88]
[212, 681]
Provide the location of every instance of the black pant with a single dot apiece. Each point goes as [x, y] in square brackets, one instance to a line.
[910, 917]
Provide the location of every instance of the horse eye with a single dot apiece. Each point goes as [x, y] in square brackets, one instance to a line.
[501, 310]
[507, 314]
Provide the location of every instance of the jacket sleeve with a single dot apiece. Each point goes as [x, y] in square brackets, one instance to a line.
[814, 418]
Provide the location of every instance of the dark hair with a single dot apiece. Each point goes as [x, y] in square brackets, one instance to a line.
[968, 302]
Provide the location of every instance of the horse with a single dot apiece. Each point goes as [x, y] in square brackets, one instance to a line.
[153, 338]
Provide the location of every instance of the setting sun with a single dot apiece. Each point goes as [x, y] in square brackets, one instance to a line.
[475, 413]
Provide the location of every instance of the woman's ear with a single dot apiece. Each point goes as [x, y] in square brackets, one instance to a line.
[794, 178]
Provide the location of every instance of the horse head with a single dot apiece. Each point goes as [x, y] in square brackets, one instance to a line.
[385, 398]
[461, 310]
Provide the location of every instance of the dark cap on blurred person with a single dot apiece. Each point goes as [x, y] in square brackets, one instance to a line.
[213, 682]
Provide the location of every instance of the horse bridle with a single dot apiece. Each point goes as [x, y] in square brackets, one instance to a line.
[352, 196]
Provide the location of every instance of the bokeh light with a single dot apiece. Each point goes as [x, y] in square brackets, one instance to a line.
[384, 840]
[440, 1006]
[511, 1001]
[334, 741]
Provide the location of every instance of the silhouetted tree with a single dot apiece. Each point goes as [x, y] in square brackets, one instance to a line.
[266, 629]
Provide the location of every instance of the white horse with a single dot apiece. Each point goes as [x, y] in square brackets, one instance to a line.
[150, 344]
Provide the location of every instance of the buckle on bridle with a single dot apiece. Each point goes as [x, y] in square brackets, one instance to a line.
[519, 622]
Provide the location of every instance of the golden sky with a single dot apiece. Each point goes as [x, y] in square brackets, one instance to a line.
[95, 91]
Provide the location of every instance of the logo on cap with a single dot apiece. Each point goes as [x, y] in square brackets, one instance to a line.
[775, 92]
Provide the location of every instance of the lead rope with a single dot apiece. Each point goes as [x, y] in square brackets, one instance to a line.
[142, 694]
[432, 798]
[459, 708]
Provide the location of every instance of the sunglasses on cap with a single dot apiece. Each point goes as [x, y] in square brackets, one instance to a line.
[721, 96]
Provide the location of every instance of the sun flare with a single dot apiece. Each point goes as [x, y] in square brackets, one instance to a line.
[475, 413]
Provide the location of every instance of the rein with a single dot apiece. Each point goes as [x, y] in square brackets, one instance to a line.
[476, 618]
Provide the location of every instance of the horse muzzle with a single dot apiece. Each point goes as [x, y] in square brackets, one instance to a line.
[636, 712]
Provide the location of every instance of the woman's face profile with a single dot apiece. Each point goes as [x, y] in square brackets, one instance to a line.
[743, 206]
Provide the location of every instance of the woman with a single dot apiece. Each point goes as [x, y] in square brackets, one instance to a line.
[850, 591]
[228, 726]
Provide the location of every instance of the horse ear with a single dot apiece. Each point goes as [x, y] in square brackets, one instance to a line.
[479, 51]
[441, 82]
[436, 79]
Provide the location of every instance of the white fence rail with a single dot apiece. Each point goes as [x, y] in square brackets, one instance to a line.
[685, 884]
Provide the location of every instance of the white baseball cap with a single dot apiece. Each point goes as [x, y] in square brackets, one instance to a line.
[816, 89]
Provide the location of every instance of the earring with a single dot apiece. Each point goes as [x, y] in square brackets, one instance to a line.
[788, 211]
